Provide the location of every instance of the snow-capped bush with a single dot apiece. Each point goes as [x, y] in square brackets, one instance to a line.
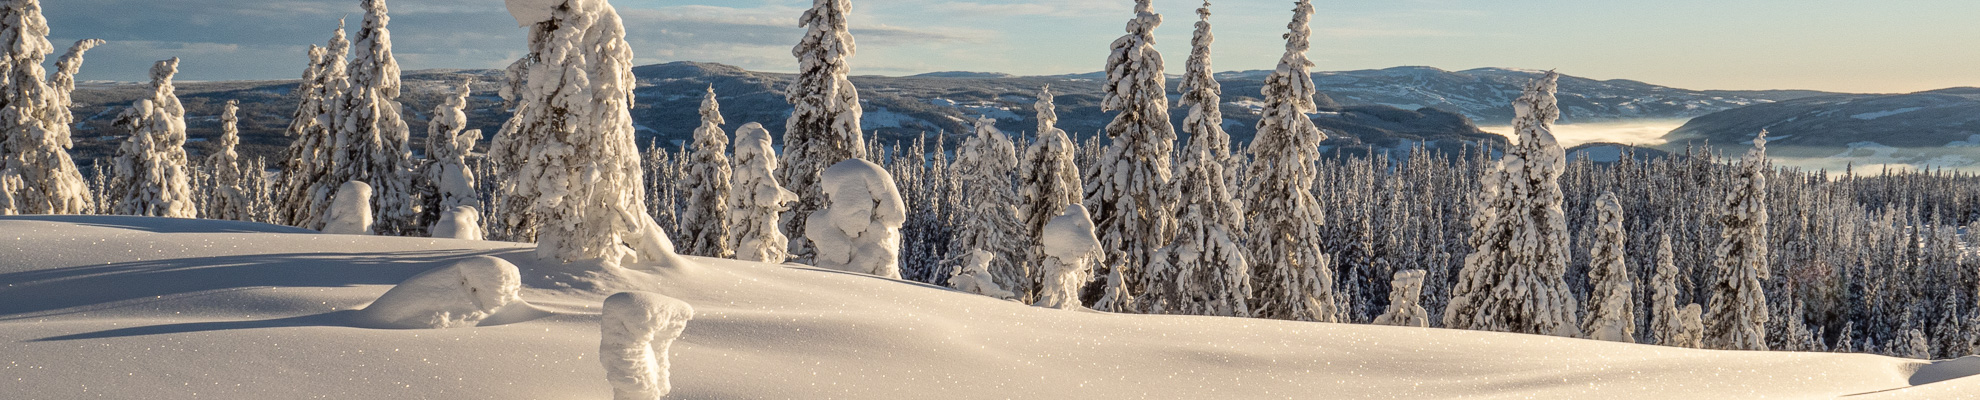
[1691, 328]
[1070, 249]
[974, 276]
[350, 210]
[859, 230]
[459, 222]
[1737, 319]
[151, 176]
[457, 295]
[1405, 301]
[1611, 307]
[1514, 279]
[635, 332]
[754, 230]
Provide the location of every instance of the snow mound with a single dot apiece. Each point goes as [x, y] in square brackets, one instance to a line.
[458, 295]
[860, 228]
[463, 222]
[350, 210]
[635, 332]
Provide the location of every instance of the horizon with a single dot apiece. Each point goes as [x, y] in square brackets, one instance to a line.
[1748, 45]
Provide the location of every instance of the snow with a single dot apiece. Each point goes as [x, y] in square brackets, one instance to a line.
[174, 308]
[530, 12]
[459, 222]
[458, 295]
[1870, 116]
[350, 210]
[859, 230]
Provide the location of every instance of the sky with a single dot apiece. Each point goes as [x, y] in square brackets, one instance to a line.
[1890, 46]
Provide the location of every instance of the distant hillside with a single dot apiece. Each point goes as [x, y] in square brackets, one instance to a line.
[1939, 128]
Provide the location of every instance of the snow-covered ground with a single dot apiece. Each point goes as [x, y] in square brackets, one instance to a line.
[131, 307]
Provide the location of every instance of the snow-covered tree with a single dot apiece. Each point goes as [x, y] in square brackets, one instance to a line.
[974, 276]
[1513, 279]
[859, 230]
[305, 189]
[636, 331]
[448, 145]
[1737, 319]
[705, 221]
[1405, 301]
[824, 125]
[754, 232]
[369, 136]
[1204, 97]
[1292, 278]
[1913, 345]
[230, 198]
[151, 176]
[1203, 270]
[350, 210]
[1691, 328]
[1048, 178]
[989, 218]
[1611, 307]
[568, 153]
[1128, 192]
[1070, 248]
[34, 115]
[1665, 325]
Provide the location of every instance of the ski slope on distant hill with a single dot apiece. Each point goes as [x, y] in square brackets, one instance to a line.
[130, 307]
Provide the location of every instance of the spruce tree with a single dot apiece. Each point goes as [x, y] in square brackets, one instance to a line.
[824, 125]
[1737, 317]
[35, 118]
[230, 198]
[1513, 279]
[986, 163]
[370, 136]
[448, 145]
[1611, 307]
[151, 176]
[1049, 180]
[1203, 270]
[1292, 277]
[1664, 323]
[705, 221]
[305, 189]
[754, 231]
[1128, 192]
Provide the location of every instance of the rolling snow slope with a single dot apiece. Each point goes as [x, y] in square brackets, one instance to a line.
[129, 307]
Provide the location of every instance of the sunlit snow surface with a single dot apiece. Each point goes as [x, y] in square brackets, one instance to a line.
[127, 307]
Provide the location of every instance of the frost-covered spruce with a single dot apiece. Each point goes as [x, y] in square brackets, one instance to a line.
[1405, 301]
[369, 136]
[635, 331]
[1204, 97]
[1514, 279]
[754, 231]
[568, 153]
[1691, 328]
[1611, 307]
[989, 221]
[1070, 249]
[1737, 318]
[824, 125]
[305, 191]
[1292, 278]
[151, 176]
[1048, 179]
[1128, 193]
[447, 149]
[705, 221]
[973, 276]
[229, 197]
[1204, 270]
[859, 230]
[1665, 325]
[34, 115]
[350, 210]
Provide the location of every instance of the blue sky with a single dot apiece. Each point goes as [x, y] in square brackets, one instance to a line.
[1857, 46]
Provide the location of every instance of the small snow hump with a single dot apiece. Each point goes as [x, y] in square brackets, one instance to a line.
[462, 294]
[859, 230]
[350, 210]
[636, 330]
[461, 222]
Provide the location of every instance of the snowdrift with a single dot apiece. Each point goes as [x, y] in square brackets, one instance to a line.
[130, 307]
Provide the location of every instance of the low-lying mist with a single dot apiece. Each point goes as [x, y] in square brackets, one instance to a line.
[1635, 132]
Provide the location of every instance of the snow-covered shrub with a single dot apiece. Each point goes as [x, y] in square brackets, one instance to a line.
[1611, 307]
[635, 332]
[350, 210]
[457, 295]
[974, 276]
[754, 232]
[1737, 319]
[152, 176]
[1691, 329]
[823, 128]
[1405, 301]
[1514, 279]
[1070, 249]
[459, 222]
[705, 223]
[1292, 278]
[568, 155]
[859, 230]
